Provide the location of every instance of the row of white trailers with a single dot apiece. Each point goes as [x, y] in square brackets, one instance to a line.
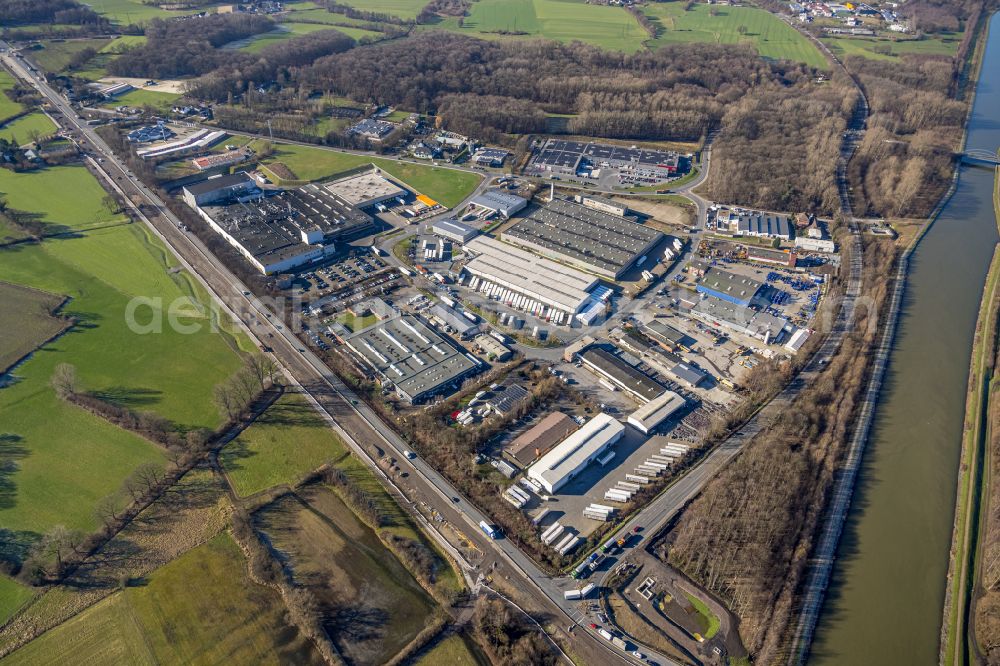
[519, 498]
[599, 512]
[655, 465]
[560, 539]
[515, 300]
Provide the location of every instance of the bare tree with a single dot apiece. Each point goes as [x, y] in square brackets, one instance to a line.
[148, 474]
[64, 380]
[225, 400]
[263, 369]
[107, 509]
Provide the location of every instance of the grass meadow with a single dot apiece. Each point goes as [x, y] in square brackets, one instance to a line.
[142, 98]
[8, 108]
[200, 608]
[21, 130]
[447, 186]
[889, 49]
[35, 322]
[772, 37]
[66, 459]
[287, 442]
[611, 28]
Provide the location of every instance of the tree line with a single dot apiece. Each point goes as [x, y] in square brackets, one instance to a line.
[25, 12]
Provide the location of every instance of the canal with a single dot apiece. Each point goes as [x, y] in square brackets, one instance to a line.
[885, 598]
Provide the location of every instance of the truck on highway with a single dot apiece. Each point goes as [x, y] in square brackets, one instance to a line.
[490, 530]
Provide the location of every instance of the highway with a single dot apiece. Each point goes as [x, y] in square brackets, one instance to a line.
[368, 435]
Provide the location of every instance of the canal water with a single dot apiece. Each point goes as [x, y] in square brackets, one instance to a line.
[885, 599]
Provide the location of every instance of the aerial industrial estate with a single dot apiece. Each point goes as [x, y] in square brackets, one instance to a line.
[367, 345]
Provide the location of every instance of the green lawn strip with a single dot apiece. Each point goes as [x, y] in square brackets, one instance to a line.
[974, 477]
[711, 620]
[447, 186]
[25, 128]
[355, 324]
[200, 608]
[13, 595]
[141, 98]
[772, 37]
[79, 207]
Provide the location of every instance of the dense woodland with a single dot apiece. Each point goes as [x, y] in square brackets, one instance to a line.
[176, 48]
[23, 12]
[905, 162]
[673, 93]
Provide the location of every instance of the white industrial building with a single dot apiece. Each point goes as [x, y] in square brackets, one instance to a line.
[656, 411]
[810, 244]
[524, 281]
[454, 230]
[366, 189]
[568, 458]
[754, 323]
[499, 202]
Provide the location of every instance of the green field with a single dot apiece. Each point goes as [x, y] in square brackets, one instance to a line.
[888, 49]
[772, 37]
[286, 443]
[355, 324]
[55, 56]
[452, 651]
[287, 31]
[200, 608]
[35, 324]
[21, 130]
[70, 458]
[400, 8]
[560, 20]
[312, 13]
[448, 186]
[141, 98]
[8, 107]
[125, 12]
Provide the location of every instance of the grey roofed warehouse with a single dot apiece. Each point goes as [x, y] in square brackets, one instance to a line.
[543, 280]
[499, 202]
[627, 377]
[410, 355]
[282, 231]
[454, 230]
[366, 189]
[607, 245]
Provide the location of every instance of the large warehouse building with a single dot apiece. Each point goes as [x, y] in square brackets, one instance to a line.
[593, 240]
[564, 462]
[366, 189]
[408, 355]
[279, 231]
[760, 325]
[499, 202]
[730, 287]
[527, 282]
[559, 156]
[653, 413]
[537, 440]
[454, 230]
[629, 379]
